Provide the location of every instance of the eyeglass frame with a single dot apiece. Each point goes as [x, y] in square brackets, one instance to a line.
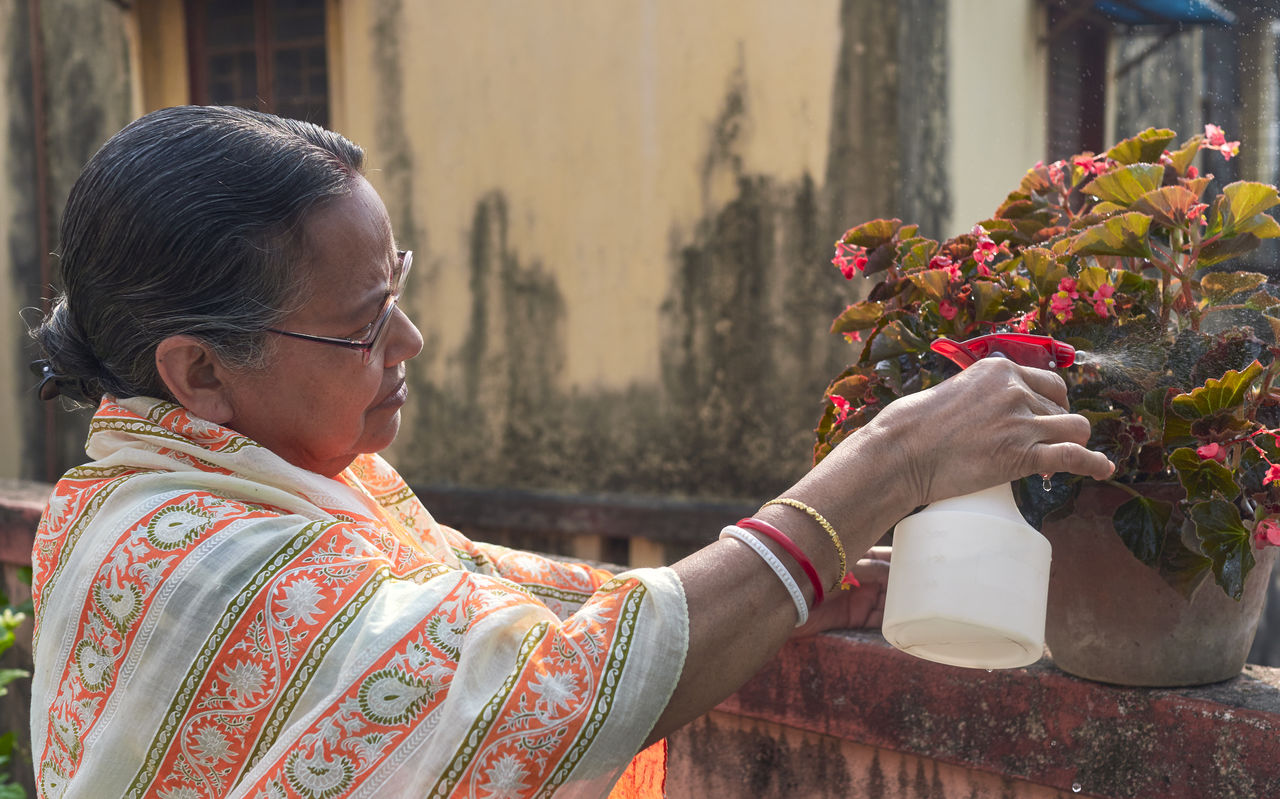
[379, 324]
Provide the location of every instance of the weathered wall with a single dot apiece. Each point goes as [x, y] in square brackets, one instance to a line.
[996, 86]
[622, 214]
[88, 95]
[626, 213]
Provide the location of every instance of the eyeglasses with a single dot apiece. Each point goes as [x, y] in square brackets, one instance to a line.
[372, 333]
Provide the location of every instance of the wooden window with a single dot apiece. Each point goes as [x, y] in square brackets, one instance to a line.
[263, 54]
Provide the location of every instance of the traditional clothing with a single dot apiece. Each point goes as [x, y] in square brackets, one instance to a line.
[212, 621]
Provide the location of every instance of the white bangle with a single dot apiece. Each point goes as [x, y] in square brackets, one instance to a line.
[788, 582]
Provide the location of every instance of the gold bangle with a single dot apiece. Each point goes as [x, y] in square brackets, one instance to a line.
[825, 525]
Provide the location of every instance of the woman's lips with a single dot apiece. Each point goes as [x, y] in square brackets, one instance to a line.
[398, 396]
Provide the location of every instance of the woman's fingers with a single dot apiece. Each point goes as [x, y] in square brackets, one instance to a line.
[1073, 458]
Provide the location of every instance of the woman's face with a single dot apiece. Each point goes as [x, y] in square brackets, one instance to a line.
[318, 405]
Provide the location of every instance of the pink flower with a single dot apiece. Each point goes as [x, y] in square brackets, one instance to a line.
[1055, 173]
[1067, 286]
[853, 336]
[1212, 452]
[1060, 305]
[850, 259]
[1267, 531]
[985, 251]
[1215, 139]
[842, 408]
[1273, 475]
[1101, 299]
[1196, 211]
[1022, 324]
[947, 310]
[944, 263]
[1192, 172]
[1092, 164]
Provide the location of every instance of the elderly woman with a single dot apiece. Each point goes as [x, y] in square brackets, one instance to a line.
[238, 597]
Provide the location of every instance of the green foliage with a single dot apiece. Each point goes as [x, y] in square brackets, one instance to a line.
[1125, 255]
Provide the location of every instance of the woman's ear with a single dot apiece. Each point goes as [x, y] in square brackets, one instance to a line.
[195, 377]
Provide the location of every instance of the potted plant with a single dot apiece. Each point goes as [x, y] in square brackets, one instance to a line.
[1127, 255]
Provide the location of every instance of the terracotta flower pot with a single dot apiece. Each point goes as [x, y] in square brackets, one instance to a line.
[1113, 619]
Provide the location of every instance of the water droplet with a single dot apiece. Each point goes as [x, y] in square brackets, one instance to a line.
[1075, 787]
[1045, 483]
[990, 670]
[1053, 743]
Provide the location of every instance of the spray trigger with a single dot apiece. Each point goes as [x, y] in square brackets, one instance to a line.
[1021, 348]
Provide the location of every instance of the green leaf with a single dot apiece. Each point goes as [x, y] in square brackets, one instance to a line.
[1181, 567]
[1185, 155]
[1141, 523]
[1226, 542]
[1201, 478]
[1090, 279]
[1167, 205]
[987, 299]
[1125, 185]
[1244, 200]
[1120, 235]
[1045, 270]
[894, 340]
[1222, 286]
[1226, 248]
[1217, 394]
[915, 253]
[872, 234]
[859, 316]
[1261, 300]
[933, 282]
[1148, 145]
[1263, 226]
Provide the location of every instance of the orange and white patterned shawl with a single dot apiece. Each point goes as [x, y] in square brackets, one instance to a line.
[212, 621]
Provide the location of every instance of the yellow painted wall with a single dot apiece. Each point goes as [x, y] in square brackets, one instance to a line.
[593, 119]
[999, 71]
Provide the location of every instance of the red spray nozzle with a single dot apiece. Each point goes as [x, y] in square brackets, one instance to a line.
[1021, 348]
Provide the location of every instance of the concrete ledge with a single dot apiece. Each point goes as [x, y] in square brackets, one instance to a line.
[1034, 724]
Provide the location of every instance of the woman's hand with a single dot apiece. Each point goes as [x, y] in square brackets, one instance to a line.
[858, 607]
[993, 423]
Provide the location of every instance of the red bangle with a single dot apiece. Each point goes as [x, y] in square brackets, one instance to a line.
[780, 538]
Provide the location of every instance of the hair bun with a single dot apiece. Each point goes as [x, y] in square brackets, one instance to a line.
[70, 368]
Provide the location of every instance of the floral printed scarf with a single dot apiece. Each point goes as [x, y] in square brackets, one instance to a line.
[212, 621]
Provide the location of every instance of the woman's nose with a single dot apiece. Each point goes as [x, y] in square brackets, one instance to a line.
[404, 341]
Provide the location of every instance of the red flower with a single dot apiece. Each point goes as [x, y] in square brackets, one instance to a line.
[1022, 324]
[842, 408]
[1215, 139]
[853, 336]
[947, 310]
[985, 251]
[850, 259]
[1273, 475]
[1192, 172]
[1267, 532]
[1090, 163]
[1212, 452]
[1101, 299]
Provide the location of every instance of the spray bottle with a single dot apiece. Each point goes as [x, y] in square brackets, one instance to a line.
[969, 584]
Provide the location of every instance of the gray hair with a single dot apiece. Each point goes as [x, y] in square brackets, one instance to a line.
[188, 221]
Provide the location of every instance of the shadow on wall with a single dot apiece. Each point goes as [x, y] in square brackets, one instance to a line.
[744, 351]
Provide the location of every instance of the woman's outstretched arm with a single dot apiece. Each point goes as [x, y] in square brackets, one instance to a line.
[993, 423]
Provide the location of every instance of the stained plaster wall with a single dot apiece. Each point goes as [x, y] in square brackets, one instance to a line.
[622, 217]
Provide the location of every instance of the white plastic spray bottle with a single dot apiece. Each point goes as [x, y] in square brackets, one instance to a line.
[969, 584]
